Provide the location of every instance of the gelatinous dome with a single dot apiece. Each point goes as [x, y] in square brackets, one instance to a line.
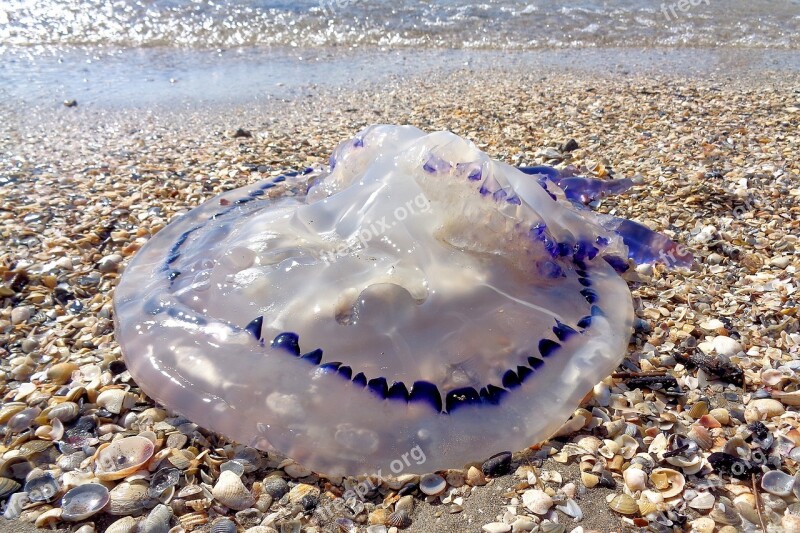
[419, 297]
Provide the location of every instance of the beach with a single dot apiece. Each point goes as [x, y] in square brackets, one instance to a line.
[83, 187]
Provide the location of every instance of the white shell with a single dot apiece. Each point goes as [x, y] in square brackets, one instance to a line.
[231, 492]
[537, 501]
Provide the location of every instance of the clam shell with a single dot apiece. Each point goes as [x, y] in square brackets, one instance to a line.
[122, 457]
[43, 488]
[223, 525]
[777, 483]
[128, 499]
[432, 484]
[83, 501]
[162, 480]
[725, 514]
[698, 409]
[126, 524]
[589, 480]
[667, 481]
[60, 373]
[399, 519]
[115, 400]
[8, 486]
[157, 520]
[66, 411]
[537, 501]
[10, 409]
[701, 436]
[32, 447]
[623, 504]
[231, 492]
[703, 501]
[548, 526]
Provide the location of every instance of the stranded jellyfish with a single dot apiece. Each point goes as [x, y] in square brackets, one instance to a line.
[415, 296]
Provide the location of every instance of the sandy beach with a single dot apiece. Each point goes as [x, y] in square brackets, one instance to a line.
[82, 188]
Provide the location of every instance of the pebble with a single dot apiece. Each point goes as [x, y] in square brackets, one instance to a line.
[475, 477]
[109, 263]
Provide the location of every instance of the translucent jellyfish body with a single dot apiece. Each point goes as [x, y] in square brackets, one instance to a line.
[413, 307]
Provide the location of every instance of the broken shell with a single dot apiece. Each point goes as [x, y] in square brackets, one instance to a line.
[162, 480]
[115, 400]
[122, 457]
[53, 432]
[623, 504]
[777, 483]
[609, 449]
[60, 373]
[737, 447]
[83, 501]
[48, 518]
[231, 492]
[537, 501]
[703, 501]
[548, 526]
[628, 446]
[589, 480]
[720, 415]
[635, 478]
[668, 482]
[725, 514]
[193, 520]
[646, 506]
[10, 409]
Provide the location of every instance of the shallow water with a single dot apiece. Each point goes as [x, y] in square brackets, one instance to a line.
[493, 24]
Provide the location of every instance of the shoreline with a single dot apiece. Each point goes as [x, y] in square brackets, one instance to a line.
[167, 78]
[713, 151]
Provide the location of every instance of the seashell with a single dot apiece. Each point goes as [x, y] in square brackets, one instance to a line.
[162, 480]
[54, 432]
[737, 447]
[48, 518]
[10, 409]
[115, 400]
[66, 411]
[721, 415]
[157, 520]
[432, 484]
[537, 501]
[623, 504]
[72, 461]
[723, 513]
[763, 409]
[75, 394]
[475, 477]
[60, 373]
[701, 436]
[698, 409]
[33, 447]
[192, 521]
[126, 524]
[548, 526]
[628, 446]
[8, 486]
[232, 466]
[667, 481]
[250, 458]
[615, 427]
[399, 519]
[43, 488]
[223, 525]
[777, 483]
[122, 457]
[646, 506]
[294, 470]
[22, 420]
[180, 459]
[590, 444]
[589, 480]
[609, 449]
[644, 460]
[128, 498]
[83, 501]
[684, 462]
[231, 492]
[497, 465]
[703, 501]
[635, 478]
[787, 398]
[571, 509]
